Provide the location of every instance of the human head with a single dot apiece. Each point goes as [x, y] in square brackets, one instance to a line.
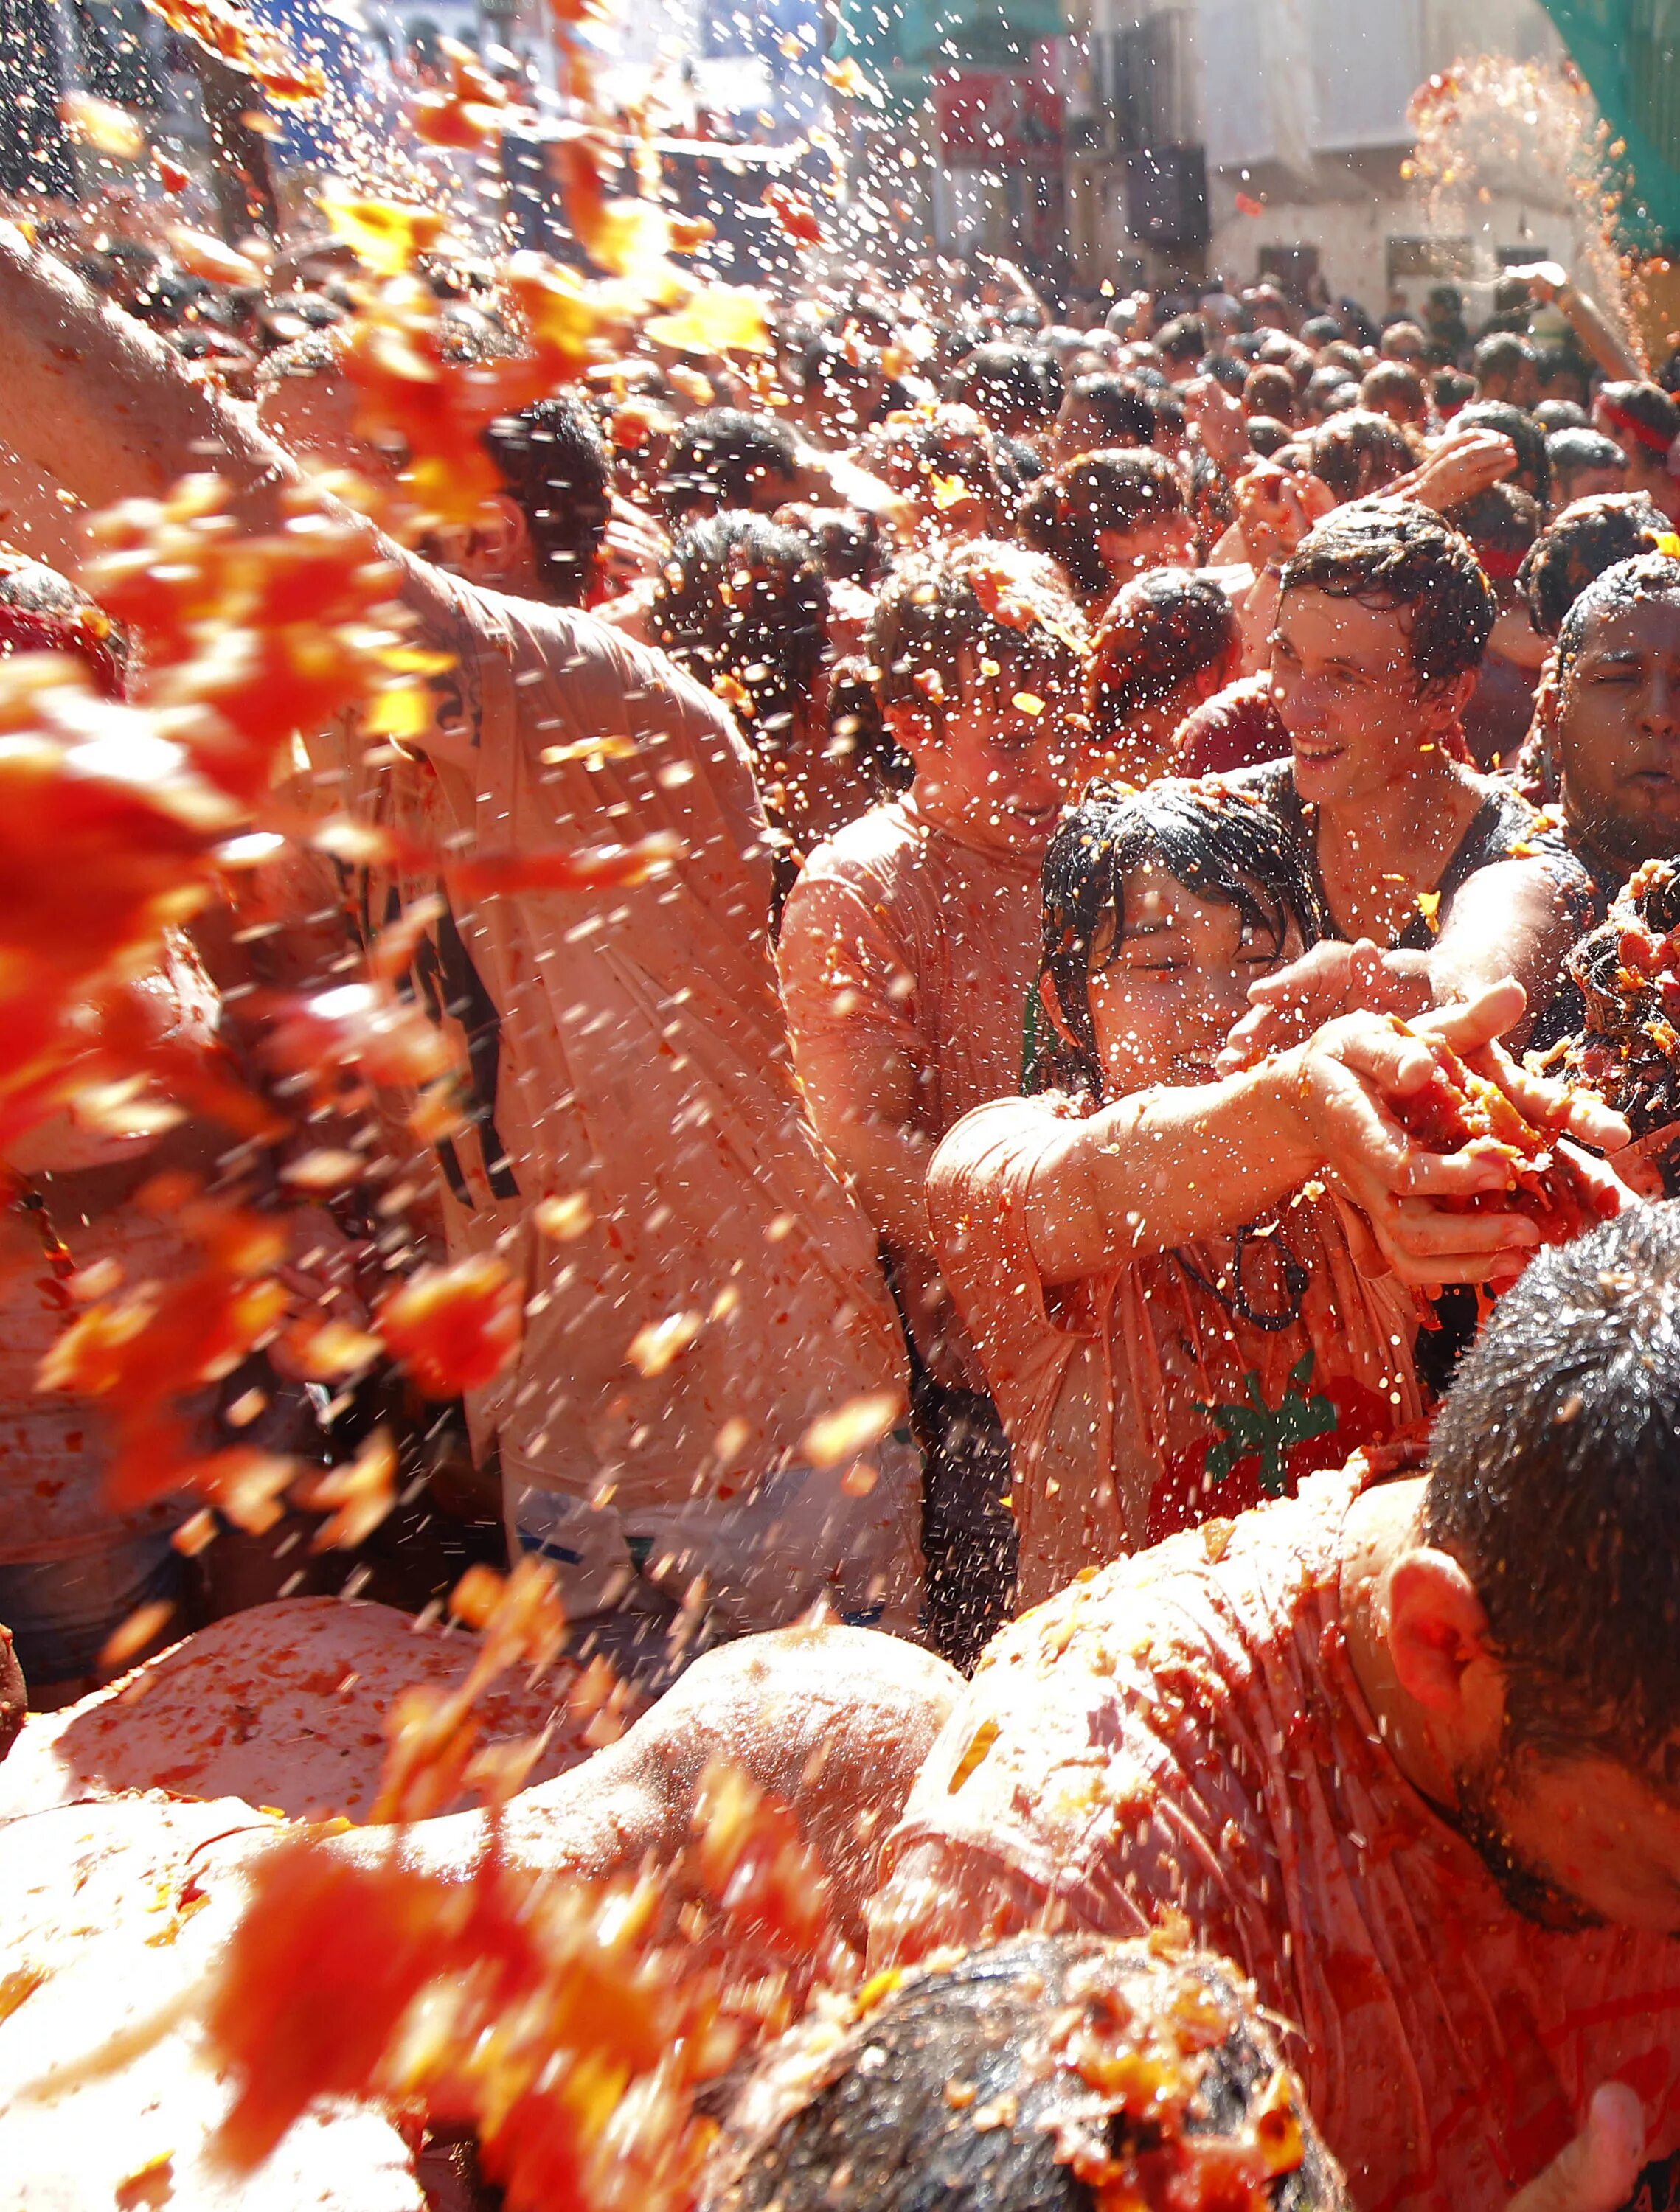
[1382, 621]
[843, 386]
[1161, 908]
[1269, 389]
[1329, 391]
[724, 458]
[1614, 718]
[1531, 1626]
[1533, 473]
[1183, 345]
[1267, 436]
[1109, 516]
[1506, 366]
[1395, 389]
[946, 464]
[1583, 464]
[1015, 391]
[1044, 2073]
[41, 611]
[1405, 341]
[979, 651]
[1577, 546]
[1101, 412]
[1560, 415]
[1168, 641]
[554, 471]
[1644, 421]
[743, 606]
[1357, 453]
[1453, 391]
[1502, 523]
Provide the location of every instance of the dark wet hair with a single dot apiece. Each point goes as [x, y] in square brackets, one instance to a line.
[1502, 354]
[1184, 338]
[1269, 389]
[1555, 415]
[1160, 630]
[1119, 405]
[1533, 469]
[1267, 436]
[1452, 388]
[1356, 452]
[1568, 452]
[720, 457]
[1008, 379]
[1649, 406]
[41, 611]
[1221, 843]
[847, 543]
[1393, 553]
[1501, 523]
[1554, 1481]
[742, 598]
[1650, 576]
[552, 460]
[942, 614]
[1063, 512]
[1590, 537]
[1394, 379]
[883, 2120]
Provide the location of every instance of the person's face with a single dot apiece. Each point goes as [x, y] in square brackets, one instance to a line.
[1344, 685]
[1577, 1841]
[1164, 1006]
[989, 765]
[1617, 732]
[1161, 541]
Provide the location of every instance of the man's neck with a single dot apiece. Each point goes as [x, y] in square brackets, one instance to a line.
[1382, 1524]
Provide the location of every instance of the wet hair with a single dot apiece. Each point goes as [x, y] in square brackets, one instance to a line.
[857, 728]
[1616, 591]
[742, 602]
[1063, 512]
[1533, 470]
[1279, 348]
[1184, 338]
[1628, 1050]
[1501, 523]
[1393, 553]
[1561, 415]
[41, 611]
[1650, 409]
[1160, 631]
[1452, 389]
[1267, 436]
[981, 2083]
[1555, 1479]
[1221, 843]
[1568, 452]
[912, 451]
[1321, 330]
[1118, 404]
[1589, 536]
[1398, 382]
[1357, 453]
[722, 455]
[1005, 380]
[1322, 387]
[939, 616]
[1269, 389]
[552, 462]
[1503, 355]
[847, 543]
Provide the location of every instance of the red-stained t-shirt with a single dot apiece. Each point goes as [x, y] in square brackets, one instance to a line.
[1185, 1731]
[1237, 727]
[1138, 1401]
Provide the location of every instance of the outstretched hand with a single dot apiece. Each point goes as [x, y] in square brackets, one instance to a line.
[1352, 1073]
[1334, 978]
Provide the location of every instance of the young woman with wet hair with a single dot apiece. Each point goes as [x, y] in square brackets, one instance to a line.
[1168, 1307]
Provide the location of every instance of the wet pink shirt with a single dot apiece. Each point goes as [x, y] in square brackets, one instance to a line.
[1184, 1732]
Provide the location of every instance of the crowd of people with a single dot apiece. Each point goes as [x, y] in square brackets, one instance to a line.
[1036, 1342]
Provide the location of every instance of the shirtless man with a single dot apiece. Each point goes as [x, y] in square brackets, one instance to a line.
[628, 1053]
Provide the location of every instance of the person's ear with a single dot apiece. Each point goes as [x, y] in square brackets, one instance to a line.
[1445, 703]
[502, 533]
[1439, 1644]
[911, 727]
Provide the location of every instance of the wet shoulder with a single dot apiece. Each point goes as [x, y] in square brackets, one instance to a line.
[877, 853]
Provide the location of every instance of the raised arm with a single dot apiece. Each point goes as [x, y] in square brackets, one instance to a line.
[1166, 1166]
